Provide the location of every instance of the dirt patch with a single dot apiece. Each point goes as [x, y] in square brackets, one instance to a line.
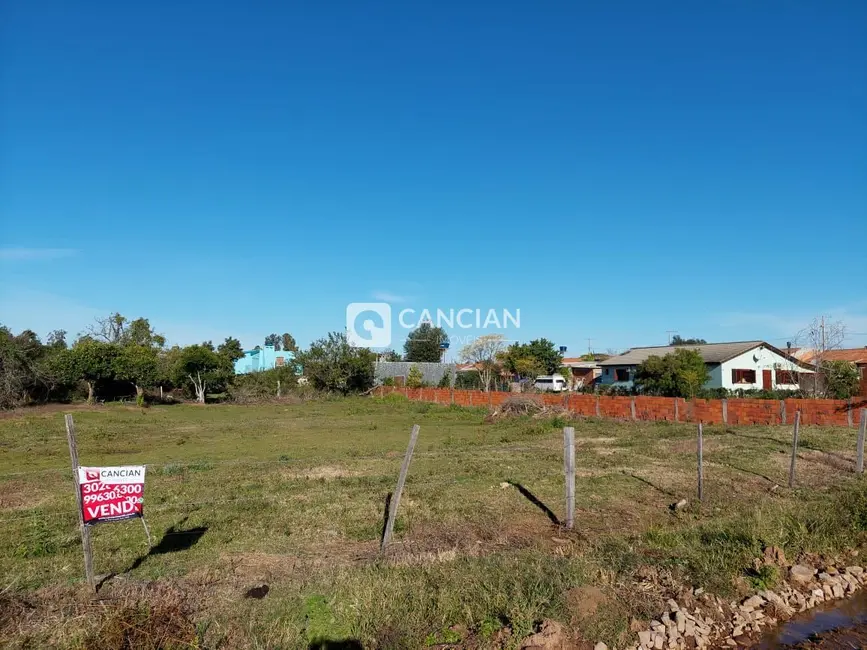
[551, 636]
[16, 495]
[323, 472]
[585, 601]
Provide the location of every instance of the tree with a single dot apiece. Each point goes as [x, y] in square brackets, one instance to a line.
[288, 342]
[332, 364]
[273, 339]
[140, 332]
[109, 329]
[199, 366]
[484, 354]
[390, 355]
[23, 372]
[424, 344]
[139, 365]
[56, 339]
[231, 349]
[90, 361]
[677, 340]
[538, 356]
[842, 379]
[415, 377]
[820, 336]
[678, 374]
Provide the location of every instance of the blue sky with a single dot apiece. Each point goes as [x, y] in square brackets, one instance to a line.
[613, 170]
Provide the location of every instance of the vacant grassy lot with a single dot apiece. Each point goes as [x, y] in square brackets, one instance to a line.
[292, 496]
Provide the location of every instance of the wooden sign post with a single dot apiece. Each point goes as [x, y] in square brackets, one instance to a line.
[862, 430]
[85, 531]
[395, 499]
[569, 472]
[794, 448]
[700, 462]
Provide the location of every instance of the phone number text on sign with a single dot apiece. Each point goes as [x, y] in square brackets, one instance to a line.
[111, 493]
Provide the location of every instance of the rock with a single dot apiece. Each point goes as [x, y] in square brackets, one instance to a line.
[775, 555]
[855, 570]
[801, 573]
[672, 605]
[680, 621]
[838, 591]
[600, 646]
[738, 631]
[698, 591]
[751, 603]
[645, 637]
[658, 641]
[680, 505]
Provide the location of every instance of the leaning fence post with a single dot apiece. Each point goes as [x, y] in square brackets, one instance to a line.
[862, 430]
[395, 499]
[569, 472]
[700, 462]
[85, 531]
[794, 447]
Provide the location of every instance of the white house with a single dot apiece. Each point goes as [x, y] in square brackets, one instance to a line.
[744, 365]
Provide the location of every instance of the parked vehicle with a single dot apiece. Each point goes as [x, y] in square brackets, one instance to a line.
[552, 383]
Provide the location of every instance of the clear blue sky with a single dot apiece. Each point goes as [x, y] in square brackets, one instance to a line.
[613, 170]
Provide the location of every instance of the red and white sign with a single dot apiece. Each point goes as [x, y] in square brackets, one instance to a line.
[111, 493]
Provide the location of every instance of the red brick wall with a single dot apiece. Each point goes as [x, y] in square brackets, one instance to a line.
[739, 411]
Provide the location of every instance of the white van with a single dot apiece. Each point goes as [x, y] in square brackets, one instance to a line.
[552, 383]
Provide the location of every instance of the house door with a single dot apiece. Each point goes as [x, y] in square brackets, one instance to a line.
[766, 379]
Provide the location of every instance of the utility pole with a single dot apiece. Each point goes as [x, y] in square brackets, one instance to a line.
[670, 332]
[589, 349]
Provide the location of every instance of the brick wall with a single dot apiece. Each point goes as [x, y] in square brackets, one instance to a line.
[712, 411]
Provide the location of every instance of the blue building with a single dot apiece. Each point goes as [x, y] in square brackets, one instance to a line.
[265, 358]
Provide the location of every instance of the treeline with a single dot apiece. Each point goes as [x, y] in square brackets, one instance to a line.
[118, 357]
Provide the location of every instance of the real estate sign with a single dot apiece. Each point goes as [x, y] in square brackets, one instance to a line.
[111, 493]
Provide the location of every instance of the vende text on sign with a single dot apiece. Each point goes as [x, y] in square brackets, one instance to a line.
[111, 493]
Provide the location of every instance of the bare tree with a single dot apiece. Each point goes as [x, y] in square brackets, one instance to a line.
[109, 329]
[820, 336]
[483, 354]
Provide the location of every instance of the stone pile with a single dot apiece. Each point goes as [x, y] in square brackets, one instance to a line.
[720, 624]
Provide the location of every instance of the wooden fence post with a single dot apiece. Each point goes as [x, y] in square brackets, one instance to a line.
[794, 447]
[598, 408]
[85, 531]
[632, 407]
[849, 417]
[700, 462]
[395, 499]
[677, 409]
[569, 472]
[782, 411]
[862, 430]
[278, 388]
[725, 411]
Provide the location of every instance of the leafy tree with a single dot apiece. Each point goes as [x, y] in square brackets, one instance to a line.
[677, 340]
[842, 380]
[288, 342]
[332, 364]
[89, 360]
[273, 339]
[56, 340]
[423, 344]
[139, 365]
[199, 366]
[390, 355]
[484, 354]
[415, 377]
[23, 373]
[140, 332]
[681, 373]
[538, 357]
[231, 349]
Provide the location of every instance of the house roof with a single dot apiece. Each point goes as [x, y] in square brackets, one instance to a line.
[710, 352]
[853, 355]
[578, 362]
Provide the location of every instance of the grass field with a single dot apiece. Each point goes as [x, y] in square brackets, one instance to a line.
[292, 496]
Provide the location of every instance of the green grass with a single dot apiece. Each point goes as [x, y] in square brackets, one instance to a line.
[292, 496]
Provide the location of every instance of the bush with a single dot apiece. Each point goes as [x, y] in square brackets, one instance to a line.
[262, 385]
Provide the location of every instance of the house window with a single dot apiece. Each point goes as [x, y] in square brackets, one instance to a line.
[743, 376]
[787, 377]
[621, 374]
[279, 361]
